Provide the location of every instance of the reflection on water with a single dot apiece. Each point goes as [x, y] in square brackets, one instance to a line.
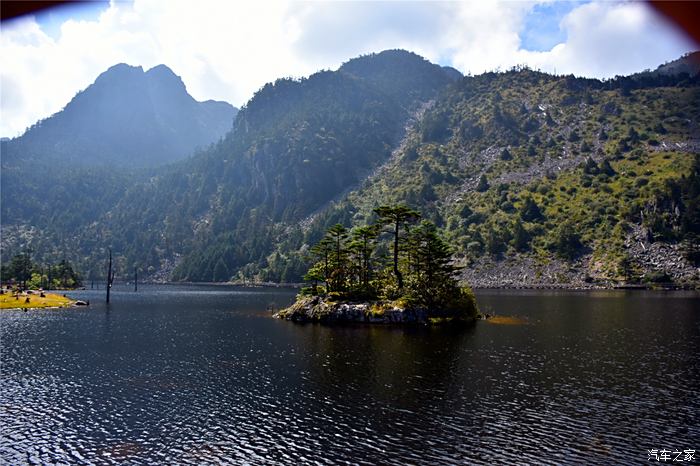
[506, 320]
[201, 374]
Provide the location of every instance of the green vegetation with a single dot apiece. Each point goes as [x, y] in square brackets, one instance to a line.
[555, 169]
[354, 265]
[63, 177]
[551, 168]
[295, 146]
[29, 275]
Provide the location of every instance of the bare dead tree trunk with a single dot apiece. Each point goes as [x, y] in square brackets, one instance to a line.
[136, 279]
[110, 275]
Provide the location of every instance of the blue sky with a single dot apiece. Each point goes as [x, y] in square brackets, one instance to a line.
[542, 30]
[228, 50]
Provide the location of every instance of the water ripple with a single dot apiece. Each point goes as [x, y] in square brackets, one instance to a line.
[200, 378]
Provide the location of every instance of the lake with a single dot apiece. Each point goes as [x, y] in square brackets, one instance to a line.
[203, 374]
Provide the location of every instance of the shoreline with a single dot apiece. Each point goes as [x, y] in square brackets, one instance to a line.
[243, 284]
[26, 301]
[628, 287]
[543, 287]
[46, 308]
[527, 271]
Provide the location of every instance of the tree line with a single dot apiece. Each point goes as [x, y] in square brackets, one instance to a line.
[30, 275]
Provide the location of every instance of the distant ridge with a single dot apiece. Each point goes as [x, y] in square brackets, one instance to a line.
[688, 63]
[128, 117]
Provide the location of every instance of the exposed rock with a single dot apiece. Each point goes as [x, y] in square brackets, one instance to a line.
[691, 146]
[654, 264]
[525, 271]
[659, 258]
[167, 266]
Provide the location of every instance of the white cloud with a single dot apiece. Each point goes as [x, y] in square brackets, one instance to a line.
[485, 35]
[228, 50]
[223, 51]
[608, 39]
[335, 31]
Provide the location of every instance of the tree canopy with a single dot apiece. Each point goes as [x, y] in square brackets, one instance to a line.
[28, 274]
[420, 269]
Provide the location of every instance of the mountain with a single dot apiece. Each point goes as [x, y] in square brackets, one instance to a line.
[688, 63]
[297, 145]
[536, 179]
[542, 180]
[127, 118]
[403, 76]
[65, 171]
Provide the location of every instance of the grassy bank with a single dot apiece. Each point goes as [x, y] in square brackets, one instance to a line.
[50, 300]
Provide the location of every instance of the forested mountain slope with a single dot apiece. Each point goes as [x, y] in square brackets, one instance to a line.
[66, 171]
[543, 180]
[295, 146]
[536, 179]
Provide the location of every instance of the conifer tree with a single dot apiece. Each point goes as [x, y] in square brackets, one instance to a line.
[314, 275]
[337, 235]
[396, 216]
[433, 276]
[426, 274]
[530, 211]
[363, 239]
[483, 184]
[322, 251]
[521, 238]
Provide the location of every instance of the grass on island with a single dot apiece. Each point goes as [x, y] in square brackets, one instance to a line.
[9, 301]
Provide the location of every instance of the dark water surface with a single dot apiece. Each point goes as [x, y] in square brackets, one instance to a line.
[202, 374]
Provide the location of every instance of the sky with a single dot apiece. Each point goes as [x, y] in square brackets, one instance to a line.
[227, 50]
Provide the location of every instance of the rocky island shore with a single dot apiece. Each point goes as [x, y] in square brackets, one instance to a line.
[323, 310]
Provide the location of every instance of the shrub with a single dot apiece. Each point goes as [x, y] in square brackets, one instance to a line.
[567, 243]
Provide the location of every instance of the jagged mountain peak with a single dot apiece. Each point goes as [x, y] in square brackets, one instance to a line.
[127, 117]
[120, 71]
[122, 68]
[161, 70]
[162, 75]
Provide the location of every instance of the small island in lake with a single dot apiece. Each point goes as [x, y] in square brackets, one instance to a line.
[356, 277]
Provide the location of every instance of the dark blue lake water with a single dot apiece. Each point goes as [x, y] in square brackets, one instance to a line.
[202, 374]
